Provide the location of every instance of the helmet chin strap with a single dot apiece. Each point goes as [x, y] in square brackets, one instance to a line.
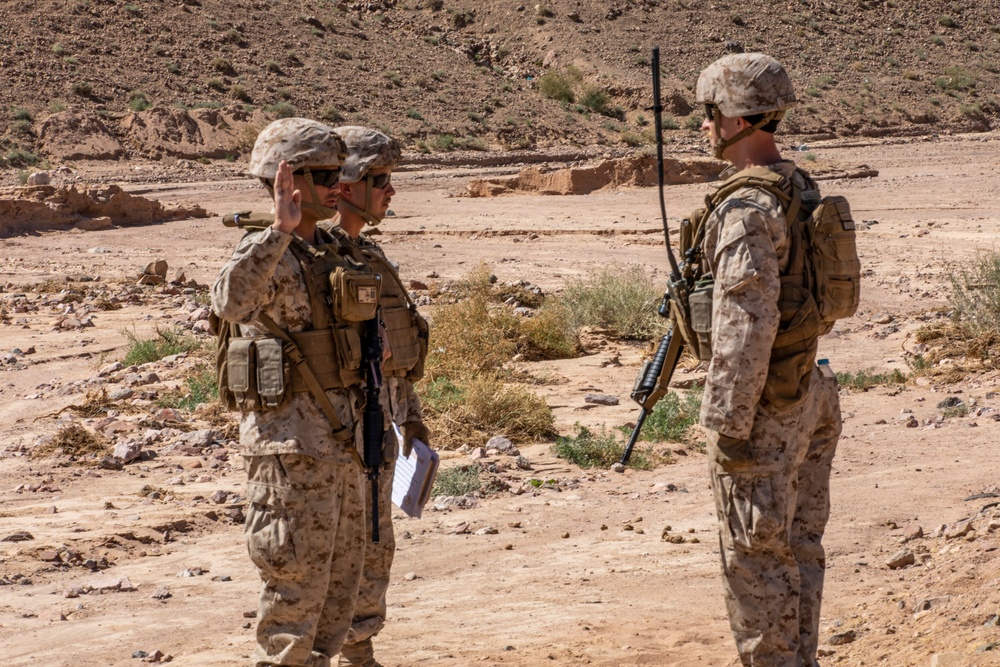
[365, 213]
[722, 144]
[324, 212]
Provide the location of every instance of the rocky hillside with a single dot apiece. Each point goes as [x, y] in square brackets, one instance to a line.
[473, 74]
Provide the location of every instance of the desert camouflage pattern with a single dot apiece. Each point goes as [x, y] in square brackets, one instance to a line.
[746, 246]
[264, 276]
[301, 142]
[306, 528]
[772, 514]
[400, 404]
[769, 467]
[744, 84]
[305, 531]
[366, 149]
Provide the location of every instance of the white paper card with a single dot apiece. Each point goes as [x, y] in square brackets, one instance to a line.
[414, 476]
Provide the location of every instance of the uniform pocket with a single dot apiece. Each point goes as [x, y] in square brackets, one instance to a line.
[754, 511]
[270, 522]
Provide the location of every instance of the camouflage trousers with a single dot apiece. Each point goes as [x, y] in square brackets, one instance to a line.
[305, 533]
[370, 609]
[772, 514]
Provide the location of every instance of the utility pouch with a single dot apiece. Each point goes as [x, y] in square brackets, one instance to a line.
[700, 305]
[355, 294]
[241, 362]
[835, 261]
[272, 373]
[347, 340]
[404, 342]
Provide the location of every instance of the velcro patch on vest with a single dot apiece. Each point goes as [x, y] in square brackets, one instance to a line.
[845, 215]
[367, 295]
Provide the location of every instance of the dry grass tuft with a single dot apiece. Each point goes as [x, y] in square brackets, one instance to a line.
[72, 440]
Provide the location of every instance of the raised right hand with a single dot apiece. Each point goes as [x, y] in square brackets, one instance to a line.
[287, 201]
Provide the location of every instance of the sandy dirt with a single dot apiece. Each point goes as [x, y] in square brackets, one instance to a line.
[573, 576]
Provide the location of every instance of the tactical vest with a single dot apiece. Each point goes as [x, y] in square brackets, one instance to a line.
[820, 284]
[406, 329]
[258, 373]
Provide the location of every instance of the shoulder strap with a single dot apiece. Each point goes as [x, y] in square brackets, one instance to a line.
[307, 257]
[339, 432]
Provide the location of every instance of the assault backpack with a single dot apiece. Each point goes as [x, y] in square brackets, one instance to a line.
[820, 285]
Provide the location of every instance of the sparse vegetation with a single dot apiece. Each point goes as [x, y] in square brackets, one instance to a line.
[202, 387]
[864, 380]
[331, 115]
[19, 157]
[672, 418]
[72, 440]
[620, 299]
[164, 343]
[55, 106]
[588, 449]
[20, 113]
[393, 77]
[82, 88]
[414, 114]
[280, 109]
[556, 86]
[458, 481]
[955, 78]
[947, 22]
[238, 92]
[137, 101]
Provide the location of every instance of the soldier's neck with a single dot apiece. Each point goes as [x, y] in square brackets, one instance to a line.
[352, 224]
[307, 229]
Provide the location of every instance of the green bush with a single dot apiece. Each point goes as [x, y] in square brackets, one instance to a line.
[82, 88]
[19, 157]
[596, 450]
[163, 344]
[672, 417]
[202, 387]
[55, 106]
[137, 101]
[20, 113]
[620, 299]
[556, 86]
[865, 379]
[458, 481]
[331, 115]
[280, 109]
[444, 142]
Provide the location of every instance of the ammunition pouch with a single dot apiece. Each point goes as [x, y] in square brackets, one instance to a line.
[355, 294]
[260, 376]
[794, 351]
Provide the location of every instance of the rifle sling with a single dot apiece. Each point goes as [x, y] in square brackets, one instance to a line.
[339, 432]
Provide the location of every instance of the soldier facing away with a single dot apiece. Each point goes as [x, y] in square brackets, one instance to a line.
[772, 415]
[293, 370]
[366, 190]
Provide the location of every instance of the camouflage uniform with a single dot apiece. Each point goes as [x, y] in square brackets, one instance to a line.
[369, 149]
[305, 524]
[769, 460]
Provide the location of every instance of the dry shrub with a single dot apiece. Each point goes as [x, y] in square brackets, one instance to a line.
[971, 340]
[469, 337]
[72, 440]
[550, 334]
[476, 408]
[220, 419]
[620, 299]
[96, 403]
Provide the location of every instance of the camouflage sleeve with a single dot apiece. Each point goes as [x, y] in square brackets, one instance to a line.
[744, 318]
[245, 284]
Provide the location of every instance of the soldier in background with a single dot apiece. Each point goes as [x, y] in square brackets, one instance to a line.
[772, 417]
[305, 524]
[365, 192]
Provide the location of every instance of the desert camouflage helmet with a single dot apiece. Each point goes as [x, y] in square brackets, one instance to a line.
[745, 84]
[367, 149]
[301, 142]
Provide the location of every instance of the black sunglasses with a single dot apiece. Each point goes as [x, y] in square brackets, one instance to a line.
[710, 111]
[380, 181]
[326, 178]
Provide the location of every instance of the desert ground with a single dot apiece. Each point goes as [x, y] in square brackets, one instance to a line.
[574, 572]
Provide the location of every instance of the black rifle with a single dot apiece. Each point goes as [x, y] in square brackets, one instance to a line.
[372, 420]
[654, 376]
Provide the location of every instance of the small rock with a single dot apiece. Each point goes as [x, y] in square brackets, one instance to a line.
[600, 399]
[618, 466]
[502, 445]
[250, 614]
[128, 451]
[951, 659]
[18, 536]
[100, 251]
[565, 536]
[522, 463]
[39, 178]
[94, 224]
[842, 638]
[220, 497]
[410, 576]
[460, 529]
[901, 559]
[156, 268]
[418, 285]
[911, 422]
[882, 318]
[161, 593]
[912, 531]
[111, 584]
[121, 394]
[478, 453]
[488, 530]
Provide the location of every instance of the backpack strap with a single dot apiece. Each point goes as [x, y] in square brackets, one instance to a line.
[339, 432]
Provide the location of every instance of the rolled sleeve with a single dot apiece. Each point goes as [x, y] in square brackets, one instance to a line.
[245, 286]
